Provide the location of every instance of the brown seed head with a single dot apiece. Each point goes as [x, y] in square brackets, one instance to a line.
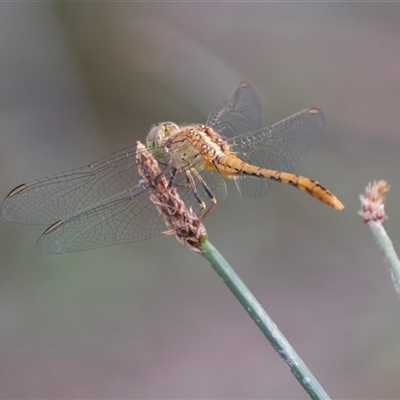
[180, 220]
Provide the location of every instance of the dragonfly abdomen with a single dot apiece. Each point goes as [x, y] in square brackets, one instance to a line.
[313, 188]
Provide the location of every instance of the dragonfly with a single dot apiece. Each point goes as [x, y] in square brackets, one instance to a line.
[107, 202]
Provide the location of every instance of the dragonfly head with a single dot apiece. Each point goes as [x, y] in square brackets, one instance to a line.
[158, 134]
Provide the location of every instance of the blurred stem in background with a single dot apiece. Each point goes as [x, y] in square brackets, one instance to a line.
[189, 230]
[373, 213]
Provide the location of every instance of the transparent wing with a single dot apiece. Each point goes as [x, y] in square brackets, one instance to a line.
[101, 204]
[49, 199]
[279, 147]
[240, 114]
[127, 217]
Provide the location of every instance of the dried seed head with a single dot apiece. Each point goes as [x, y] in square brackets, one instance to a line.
[373, 202]
[180, 221]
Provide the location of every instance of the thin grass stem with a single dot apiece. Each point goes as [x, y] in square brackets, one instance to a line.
[262, 320]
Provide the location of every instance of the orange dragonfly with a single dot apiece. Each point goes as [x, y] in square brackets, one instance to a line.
[107, 202]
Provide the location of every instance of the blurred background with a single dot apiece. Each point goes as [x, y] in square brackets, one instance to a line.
[151, 319]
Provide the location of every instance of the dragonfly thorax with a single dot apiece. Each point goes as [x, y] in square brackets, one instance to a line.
[206, 140]
[196, 146]
[188, 145]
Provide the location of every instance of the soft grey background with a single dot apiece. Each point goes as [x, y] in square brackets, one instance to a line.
[151, 319]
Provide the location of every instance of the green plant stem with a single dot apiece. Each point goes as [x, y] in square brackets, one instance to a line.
[389, 254]
[263, 321]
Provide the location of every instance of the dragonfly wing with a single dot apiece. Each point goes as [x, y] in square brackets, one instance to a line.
[279, 147]
[128, 217]
[240, 114]
[54, 198]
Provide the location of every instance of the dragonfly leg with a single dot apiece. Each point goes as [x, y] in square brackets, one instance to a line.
[213, 200]
[172, 178]
[192, 185]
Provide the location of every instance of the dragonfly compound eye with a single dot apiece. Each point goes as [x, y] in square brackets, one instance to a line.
[162, 130]
[168, 129]
[154, 134]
